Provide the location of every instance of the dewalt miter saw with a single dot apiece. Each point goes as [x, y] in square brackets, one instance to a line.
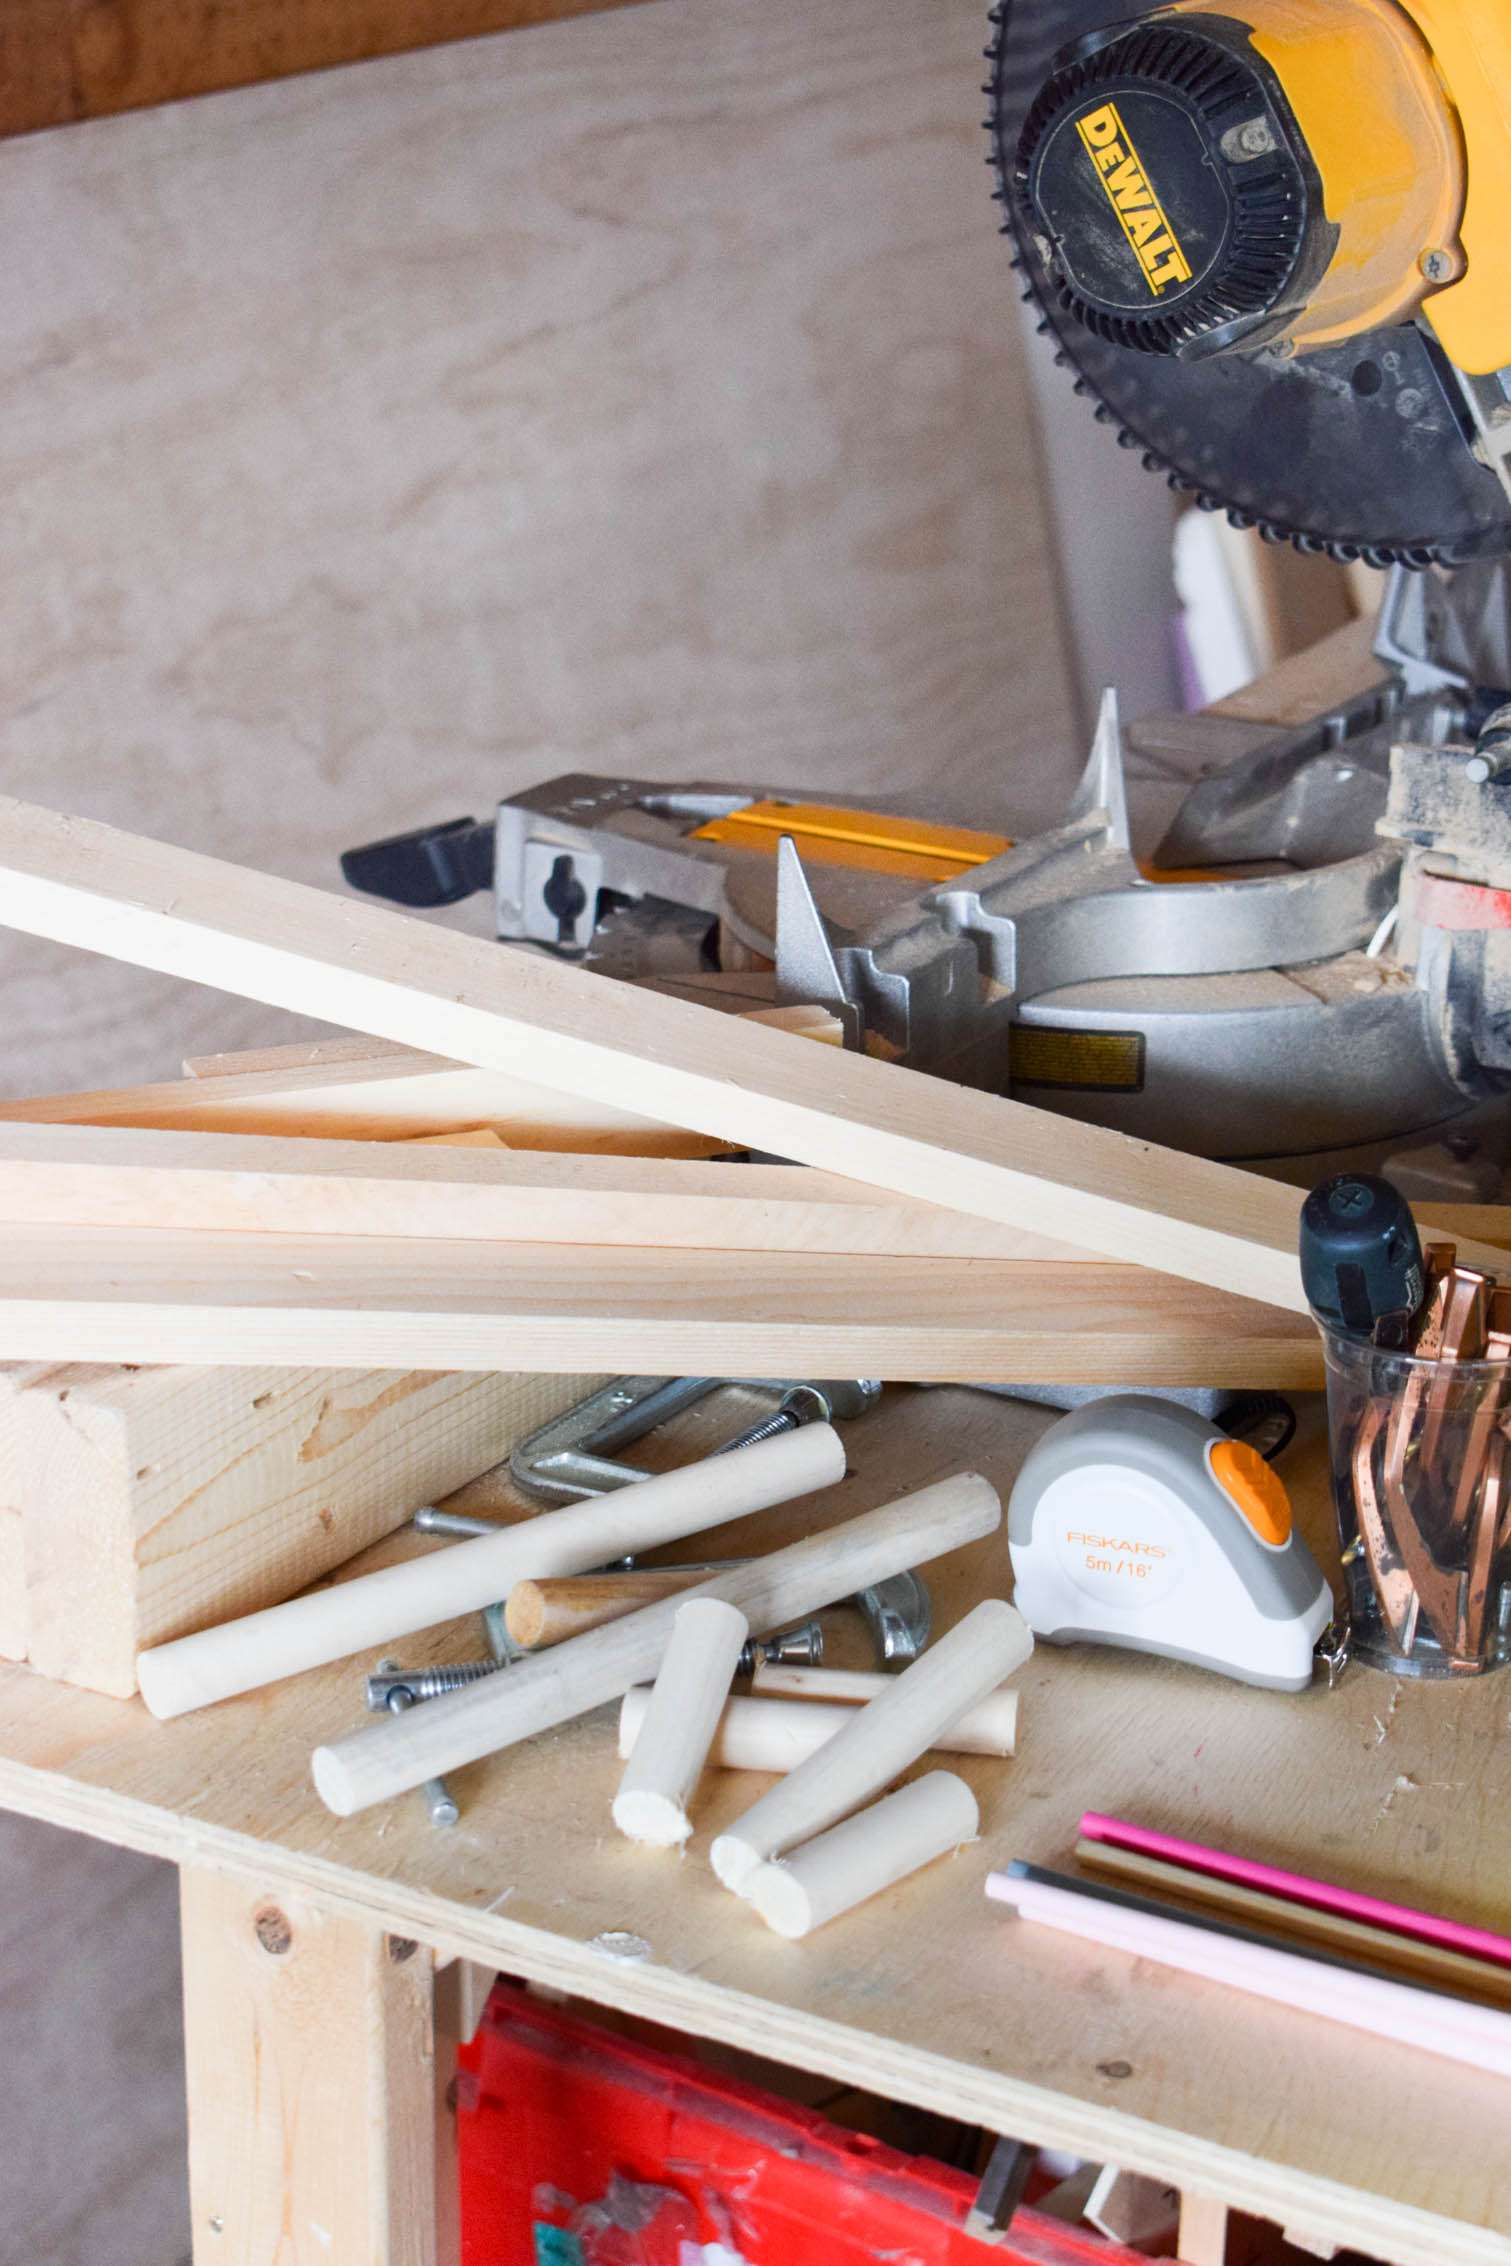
[1272, 241]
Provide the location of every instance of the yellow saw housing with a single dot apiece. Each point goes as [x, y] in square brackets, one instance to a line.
[1407, 114]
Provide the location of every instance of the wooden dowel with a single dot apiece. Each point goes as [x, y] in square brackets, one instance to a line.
[879, 1740]
[672, 1744]
[548, 1612]
[993, 1721]
[464, 1577]
[867, 1853]
[777, 1734]
[568, 1679]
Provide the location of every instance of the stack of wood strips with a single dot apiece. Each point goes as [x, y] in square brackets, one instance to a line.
[323, 1293]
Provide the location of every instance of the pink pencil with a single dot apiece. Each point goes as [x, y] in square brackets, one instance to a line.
[1426, 1926]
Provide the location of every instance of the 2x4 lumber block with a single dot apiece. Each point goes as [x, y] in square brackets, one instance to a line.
[309, 2044]
[15, 1614]
[366, 1091]
[368, 969]
[404, 1302]
[121, 1177]
[154, 1500]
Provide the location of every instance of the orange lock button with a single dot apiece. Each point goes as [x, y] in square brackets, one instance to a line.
[1258, 1491]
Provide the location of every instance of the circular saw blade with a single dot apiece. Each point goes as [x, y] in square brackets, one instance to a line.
[1361, 450]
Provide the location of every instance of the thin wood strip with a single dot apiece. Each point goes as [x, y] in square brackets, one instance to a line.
[348, 1301]
[184, 914]
[228, 1183]
[365, 1090]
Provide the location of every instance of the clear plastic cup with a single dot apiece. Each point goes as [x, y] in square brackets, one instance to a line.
[1421, 1454]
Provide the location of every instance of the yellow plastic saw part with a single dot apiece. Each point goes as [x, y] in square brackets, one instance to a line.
[1370, 100]
[1471, 45]
[869, 839]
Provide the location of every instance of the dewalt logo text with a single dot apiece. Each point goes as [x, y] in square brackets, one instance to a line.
[1139, 210]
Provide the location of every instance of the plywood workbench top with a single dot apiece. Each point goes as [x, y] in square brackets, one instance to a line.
[929, 1993]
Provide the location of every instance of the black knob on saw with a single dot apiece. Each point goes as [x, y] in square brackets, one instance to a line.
[1163, 170]
[1361, 1257]
[435, 865]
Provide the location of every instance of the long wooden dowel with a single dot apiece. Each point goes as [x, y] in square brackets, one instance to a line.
[569, 1679]
[328, 1624]
[777, 1734]
[879, 1740]
[136, 1295]
[373, 970]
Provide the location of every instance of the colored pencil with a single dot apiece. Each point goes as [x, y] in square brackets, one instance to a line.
[1377, 1947]
[1477, 2036]
[1351, 1904]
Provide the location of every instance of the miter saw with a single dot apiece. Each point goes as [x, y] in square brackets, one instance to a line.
[1312, 969]
[1272, 240]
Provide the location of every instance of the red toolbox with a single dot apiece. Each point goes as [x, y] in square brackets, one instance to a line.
[582, 2148]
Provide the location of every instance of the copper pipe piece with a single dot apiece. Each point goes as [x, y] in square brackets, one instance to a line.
[1462, 1339]
[1482, 1554]
[1390, 1580]
[1437, 1593]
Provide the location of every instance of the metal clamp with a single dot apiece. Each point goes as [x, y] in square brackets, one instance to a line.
[573, 1455]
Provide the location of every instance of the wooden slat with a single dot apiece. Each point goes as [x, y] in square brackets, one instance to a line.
[62, 60]
[151, 1501]
[227, 1183]
[309, 2044]
[367, 1091]
[87, 884]
[351, 1301]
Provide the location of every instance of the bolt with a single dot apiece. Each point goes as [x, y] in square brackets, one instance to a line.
[802, 1647]
[428, 1520]
[1437, 265]
[1254, 138]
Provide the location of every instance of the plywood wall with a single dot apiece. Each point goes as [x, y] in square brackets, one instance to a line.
[636, 393]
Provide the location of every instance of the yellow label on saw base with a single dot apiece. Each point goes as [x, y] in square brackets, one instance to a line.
[1084, 1061]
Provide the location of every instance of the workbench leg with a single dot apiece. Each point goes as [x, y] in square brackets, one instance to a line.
[310, 2052]
[1203, 2237]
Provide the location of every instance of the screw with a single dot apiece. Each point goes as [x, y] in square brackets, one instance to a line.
[1437, 266]
[439, 1800]
[804, 1404]
[423, 1683]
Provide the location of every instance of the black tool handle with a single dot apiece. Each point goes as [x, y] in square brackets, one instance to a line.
[435, 865]
[1361, 1256]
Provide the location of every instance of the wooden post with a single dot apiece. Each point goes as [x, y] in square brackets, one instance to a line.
[310, 2054]
[1203, 2237]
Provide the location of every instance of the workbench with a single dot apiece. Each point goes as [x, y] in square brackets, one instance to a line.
[312, 1944]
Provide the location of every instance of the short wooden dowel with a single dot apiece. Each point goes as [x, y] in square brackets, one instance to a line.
[568, 1679]
[988, 1728]
[358, 1615]
[548, 1612]
[879, 1740]
[865, 1854]
[775, 1735]
[672, 1744]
